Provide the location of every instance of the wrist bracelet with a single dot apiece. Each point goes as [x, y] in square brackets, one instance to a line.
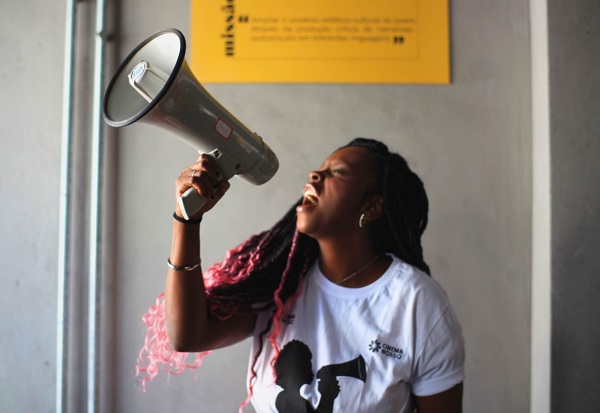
[186, 221]
[181, 268]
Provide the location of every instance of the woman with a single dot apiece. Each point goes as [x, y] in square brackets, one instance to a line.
[337, 290]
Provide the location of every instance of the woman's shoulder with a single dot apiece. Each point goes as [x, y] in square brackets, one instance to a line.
[416, 284]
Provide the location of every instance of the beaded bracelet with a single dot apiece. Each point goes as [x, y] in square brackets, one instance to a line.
[186, 221]
[181, 268]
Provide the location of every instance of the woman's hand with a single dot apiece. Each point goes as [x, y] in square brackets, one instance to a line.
[203, 176]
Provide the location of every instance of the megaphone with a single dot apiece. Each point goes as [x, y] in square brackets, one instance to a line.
[354, 368]
[155, 85]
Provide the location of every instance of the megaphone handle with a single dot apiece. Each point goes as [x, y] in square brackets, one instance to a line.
[190, 202]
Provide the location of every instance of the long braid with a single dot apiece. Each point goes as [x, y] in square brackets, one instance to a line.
[304, 255]
[405, 204]
[246, 282]
[260, 274]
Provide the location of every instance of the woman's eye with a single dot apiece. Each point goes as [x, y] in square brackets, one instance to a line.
[333, 171]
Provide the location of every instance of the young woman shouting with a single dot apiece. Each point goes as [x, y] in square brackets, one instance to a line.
[336, 296]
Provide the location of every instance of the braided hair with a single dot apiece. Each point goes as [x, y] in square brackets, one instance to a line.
[265, 272]
[406, 206]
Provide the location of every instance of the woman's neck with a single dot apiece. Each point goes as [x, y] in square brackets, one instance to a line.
[351, 264]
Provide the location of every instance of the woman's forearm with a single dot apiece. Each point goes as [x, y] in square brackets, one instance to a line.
[185, 300]
[189, 325]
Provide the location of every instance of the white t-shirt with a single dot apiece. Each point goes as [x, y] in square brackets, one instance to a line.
[382, 342]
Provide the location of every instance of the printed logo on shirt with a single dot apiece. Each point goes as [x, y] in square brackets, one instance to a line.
[375, 346]
[388, 350]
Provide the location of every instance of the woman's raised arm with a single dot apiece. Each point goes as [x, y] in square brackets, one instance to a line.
[190, 326]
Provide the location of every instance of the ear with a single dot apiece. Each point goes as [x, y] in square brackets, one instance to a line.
[373, 208]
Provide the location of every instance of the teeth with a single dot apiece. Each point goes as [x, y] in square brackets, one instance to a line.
[310, 199]
[310, 195]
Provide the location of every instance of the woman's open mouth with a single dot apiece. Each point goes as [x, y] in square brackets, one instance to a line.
[310, 198]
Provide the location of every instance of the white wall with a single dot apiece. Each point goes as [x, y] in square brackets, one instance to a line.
[31, 46]
[470, 141]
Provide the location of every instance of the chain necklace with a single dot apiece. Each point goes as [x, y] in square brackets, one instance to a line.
[359, 270]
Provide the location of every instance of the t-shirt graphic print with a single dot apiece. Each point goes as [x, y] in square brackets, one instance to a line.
[293, 370]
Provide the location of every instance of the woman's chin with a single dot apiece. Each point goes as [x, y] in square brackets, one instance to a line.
[303, 225]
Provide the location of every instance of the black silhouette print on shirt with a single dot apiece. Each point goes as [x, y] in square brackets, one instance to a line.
[294, 369]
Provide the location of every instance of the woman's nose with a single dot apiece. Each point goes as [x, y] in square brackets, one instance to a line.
[315, 176]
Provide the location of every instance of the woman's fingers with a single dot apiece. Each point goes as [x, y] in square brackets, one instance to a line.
[204, 177]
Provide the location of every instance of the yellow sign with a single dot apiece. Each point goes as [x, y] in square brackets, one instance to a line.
[320, 41]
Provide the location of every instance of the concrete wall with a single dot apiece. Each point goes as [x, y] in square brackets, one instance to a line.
[31, 46]
[470, 142]
[574, 41]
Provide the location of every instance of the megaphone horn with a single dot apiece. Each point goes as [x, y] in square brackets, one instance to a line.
[155, 85]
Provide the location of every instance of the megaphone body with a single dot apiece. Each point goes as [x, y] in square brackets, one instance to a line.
[155, 85]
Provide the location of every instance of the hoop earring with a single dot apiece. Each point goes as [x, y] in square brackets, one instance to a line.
[362, 221]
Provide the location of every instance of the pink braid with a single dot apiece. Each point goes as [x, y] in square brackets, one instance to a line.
[157, 351]
[238, 265]
[281, 310]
